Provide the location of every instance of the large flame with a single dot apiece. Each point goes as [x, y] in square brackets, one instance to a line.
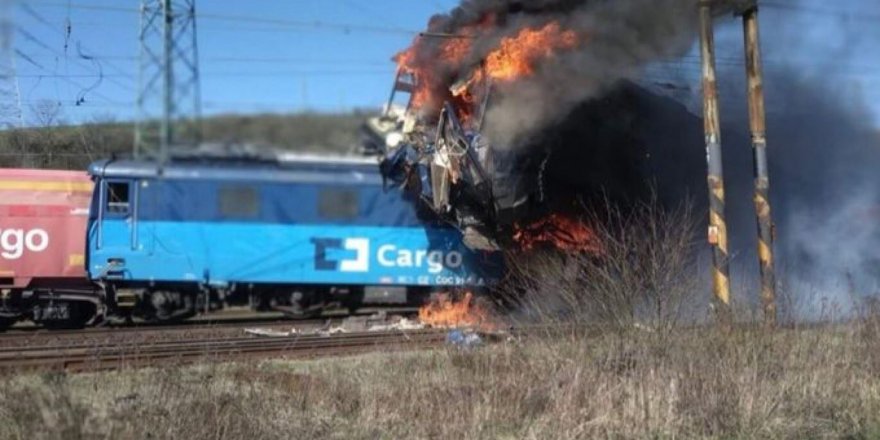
[560, 231]
[450, 52]
[447, 312]
[438, 61]
[517, 56]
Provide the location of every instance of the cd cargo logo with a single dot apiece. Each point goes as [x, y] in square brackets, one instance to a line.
[359, 262]
[353, 255]
[14, 242]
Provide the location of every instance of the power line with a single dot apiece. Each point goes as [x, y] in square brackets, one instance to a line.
[300, 60]
[81, 99]
[45, 46]
[295, 24]
[225, 74]
[58, 55]
[345, 27]
[853, 15]
[70, 102]
[688, 63]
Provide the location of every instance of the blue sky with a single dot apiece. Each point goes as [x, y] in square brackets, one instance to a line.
[246, 67]
[254, 66]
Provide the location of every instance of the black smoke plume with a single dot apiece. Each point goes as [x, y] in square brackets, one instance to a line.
[598, 123]
[618, 39]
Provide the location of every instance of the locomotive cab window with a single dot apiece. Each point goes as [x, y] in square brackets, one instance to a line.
[118, 199]
[338, 204]
[239, 202]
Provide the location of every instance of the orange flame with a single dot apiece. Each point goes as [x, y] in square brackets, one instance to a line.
[560, 231]
[445, 312]
[516, 56]
[448, 52]
[435, 62]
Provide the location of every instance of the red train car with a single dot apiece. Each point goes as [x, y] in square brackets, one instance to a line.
[43, 217]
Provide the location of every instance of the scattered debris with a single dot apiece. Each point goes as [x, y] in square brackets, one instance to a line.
[332, 331]
[377, 322]
[400, 324]
[258, 331]
[464, 317]
[463, 339]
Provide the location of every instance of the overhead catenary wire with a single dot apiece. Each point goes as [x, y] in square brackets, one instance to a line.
[298, 24]
[319, 24]
[272, 24]
[226, 74]
[843, 14]
[70, 81]
[37, 16]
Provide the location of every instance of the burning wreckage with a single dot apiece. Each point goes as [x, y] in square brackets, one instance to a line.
[434, 147]
[506, 117]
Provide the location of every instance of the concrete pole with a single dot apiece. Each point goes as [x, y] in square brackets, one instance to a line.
[715, 179]
[757, 125]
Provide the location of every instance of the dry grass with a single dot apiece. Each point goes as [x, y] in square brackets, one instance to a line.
[809, 383]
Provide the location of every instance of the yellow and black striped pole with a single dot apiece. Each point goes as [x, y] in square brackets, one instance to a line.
[712, 125]
[757, 124]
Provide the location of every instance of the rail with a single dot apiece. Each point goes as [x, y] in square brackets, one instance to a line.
[115, 355]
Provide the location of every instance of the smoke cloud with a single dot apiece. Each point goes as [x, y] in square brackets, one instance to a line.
[824, 149]
[617, 39]
[600, 133]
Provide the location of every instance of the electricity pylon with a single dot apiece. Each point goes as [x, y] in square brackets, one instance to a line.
[10, 96]
[169, 96]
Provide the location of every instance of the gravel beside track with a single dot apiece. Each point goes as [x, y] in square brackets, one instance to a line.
[228, 324]
[87, 356]
[140, 335]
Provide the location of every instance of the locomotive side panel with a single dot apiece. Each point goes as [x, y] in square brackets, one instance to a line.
[225, 232]
[280, 254]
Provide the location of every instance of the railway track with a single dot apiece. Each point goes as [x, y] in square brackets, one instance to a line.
[105, 356]
[191, 329]
[195, 326]
[218, 321]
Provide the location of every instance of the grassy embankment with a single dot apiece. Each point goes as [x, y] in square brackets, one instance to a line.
[75, 146]
[815, 383]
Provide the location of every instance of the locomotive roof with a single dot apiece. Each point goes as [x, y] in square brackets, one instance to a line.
[277, 168]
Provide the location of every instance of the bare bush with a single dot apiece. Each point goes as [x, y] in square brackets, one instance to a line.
[644, 275]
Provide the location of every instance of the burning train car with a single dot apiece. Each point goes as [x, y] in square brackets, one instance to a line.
[439, 151]
[515, 116]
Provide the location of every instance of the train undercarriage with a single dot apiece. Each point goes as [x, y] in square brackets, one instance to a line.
[61, 306]
[71, 308]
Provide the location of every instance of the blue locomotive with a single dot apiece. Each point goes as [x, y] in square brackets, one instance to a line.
[291, 234]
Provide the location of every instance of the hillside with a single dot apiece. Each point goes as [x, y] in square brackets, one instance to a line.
[74, 146]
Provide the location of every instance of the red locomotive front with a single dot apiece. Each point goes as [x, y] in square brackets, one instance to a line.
[43, 216]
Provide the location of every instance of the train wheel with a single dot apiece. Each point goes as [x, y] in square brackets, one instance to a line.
[77, 315]
[304, 304]
[168, 306]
